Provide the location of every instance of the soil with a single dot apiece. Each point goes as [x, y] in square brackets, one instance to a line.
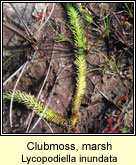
[104, 87]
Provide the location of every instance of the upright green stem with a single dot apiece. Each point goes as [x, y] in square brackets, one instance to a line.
[80, 62]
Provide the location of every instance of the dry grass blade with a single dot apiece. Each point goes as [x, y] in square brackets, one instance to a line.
[48, 126]
[29, 33]
[8, 79]
[11, 101]
[38, 31]
[41, 90]
[19, 32]
[44, 14]
[46, 74]
[50, 97]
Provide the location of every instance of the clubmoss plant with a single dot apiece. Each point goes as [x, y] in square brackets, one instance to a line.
[80, 62]
[37, 106]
